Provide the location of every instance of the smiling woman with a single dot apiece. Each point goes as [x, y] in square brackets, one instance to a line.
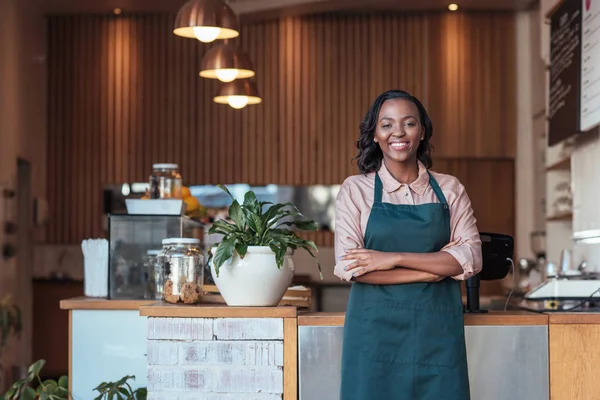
[406, 236]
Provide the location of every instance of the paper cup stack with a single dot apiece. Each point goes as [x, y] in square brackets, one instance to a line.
[95, 263]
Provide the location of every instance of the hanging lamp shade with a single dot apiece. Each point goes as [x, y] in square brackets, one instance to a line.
[206, 20]
[226, 62]
[238, 93]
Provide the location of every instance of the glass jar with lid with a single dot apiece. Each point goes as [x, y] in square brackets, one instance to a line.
[165, 182]
[183, 271]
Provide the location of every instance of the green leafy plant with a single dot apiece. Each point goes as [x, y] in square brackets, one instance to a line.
[252, 226]
[120, 390]
[48, 389]
[10, 321]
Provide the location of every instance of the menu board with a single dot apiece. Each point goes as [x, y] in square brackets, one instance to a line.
[590, 64]
[565, 71]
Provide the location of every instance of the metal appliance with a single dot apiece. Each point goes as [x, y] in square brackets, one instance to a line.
[130, 238]
[567, 288]
[497, 252]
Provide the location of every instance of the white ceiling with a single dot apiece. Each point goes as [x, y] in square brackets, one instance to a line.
[258, 9]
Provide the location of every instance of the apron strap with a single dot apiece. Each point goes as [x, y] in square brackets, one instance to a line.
[378, 189]
[436, 189]
[434, 185]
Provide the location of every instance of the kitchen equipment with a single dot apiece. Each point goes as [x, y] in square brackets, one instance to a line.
[183, 271]
[130, 238]
[497, 253]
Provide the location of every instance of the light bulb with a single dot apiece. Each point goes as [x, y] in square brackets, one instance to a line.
[227, 74]
[206, 34]
[453, 7]
[237, 102]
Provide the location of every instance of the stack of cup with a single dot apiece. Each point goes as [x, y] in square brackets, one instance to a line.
[95, 262]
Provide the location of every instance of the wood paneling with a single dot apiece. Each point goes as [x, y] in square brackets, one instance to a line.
[124, 92]
[573, 361]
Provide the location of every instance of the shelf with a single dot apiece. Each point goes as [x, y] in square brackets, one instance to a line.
[565, 216]
[562, 165]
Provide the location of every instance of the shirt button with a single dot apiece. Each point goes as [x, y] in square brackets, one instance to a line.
[406, 193]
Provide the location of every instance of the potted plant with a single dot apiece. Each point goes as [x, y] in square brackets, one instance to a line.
[32, 388]
[252, 265]
[10, 324]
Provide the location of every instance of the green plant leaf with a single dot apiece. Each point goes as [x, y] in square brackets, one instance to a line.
[241, 248]
[28, 394]
[141, 394]
[63, 381]
[222, 187]
[237, 215]
[224, 252]
[35, 368]
[251, 203]
[305, 225]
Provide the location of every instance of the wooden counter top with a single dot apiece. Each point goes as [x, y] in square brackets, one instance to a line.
[491, 318]
[163, 309]
[96, 303]
[574, 318]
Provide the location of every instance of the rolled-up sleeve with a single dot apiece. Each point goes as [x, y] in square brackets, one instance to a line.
[348, 232]
[467, 249]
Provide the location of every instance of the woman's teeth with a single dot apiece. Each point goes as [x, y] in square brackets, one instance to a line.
[398, 145]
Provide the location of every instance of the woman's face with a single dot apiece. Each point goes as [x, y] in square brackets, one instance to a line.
[399, 131]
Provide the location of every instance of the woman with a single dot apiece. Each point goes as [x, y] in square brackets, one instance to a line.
[406, 237]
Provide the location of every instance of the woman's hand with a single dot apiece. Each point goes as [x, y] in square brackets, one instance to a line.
[366, 261]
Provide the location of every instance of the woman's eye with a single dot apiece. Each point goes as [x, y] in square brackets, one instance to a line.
[411, 124]
[387, 126]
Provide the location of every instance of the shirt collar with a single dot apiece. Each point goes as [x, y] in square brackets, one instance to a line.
[390, 184]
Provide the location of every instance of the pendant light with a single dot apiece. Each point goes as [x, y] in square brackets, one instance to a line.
[206, 20]
[226, 62]
[238, 93]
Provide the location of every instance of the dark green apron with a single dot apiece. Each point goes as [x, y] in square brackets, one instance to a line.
[405, 342]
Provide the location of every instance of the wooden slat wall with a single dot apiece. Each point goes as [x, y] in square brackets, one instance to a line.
[124, 92]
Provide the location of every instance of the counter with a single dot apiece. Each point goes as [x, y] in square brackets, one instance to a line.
[507, 353]
[282, 353]
[106, 343]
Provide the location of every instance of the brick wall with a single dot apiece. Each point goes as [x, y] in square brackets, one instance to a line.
[215, 358]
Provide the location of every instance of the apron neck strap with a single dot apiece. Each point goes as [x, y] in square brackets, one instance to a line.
[378, 188]
[434, 185]
[436, 189]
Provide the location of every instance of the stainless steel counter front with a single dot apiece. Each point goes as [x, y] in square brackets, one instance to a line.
[506, 361]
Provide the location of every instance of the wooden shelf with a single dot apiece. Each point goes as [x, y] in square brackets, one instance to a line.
[562, 165]
[566, 216]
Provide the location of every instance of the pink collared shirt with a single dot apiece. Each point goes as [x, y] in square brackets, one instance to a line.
[355, 200]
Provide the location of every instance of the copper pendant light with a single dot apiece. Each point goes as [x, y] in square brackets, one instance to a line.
[226, 62]
[238, 93]
[206, 20]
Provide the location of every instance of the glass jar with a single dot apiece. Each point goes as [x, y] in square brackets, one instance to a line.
[154, 271]
[183, 271]
[165, 182]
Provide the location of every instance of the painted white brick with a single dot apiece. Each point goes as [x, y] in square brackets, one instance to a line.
[255, 353]
[248, 328]
[265, 380]
[162, 352]
[226, 396]
[212, 396]
[180, 328]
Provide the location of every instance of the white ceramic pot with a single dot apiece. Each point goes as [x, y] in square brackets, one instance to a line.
[254, 280]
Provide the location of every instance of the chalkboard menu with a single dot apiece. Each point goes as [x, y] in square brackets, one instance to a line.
[565, 71]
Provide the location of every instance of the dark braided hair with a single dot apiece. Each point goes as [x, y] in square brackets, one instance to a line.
[369, 153]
